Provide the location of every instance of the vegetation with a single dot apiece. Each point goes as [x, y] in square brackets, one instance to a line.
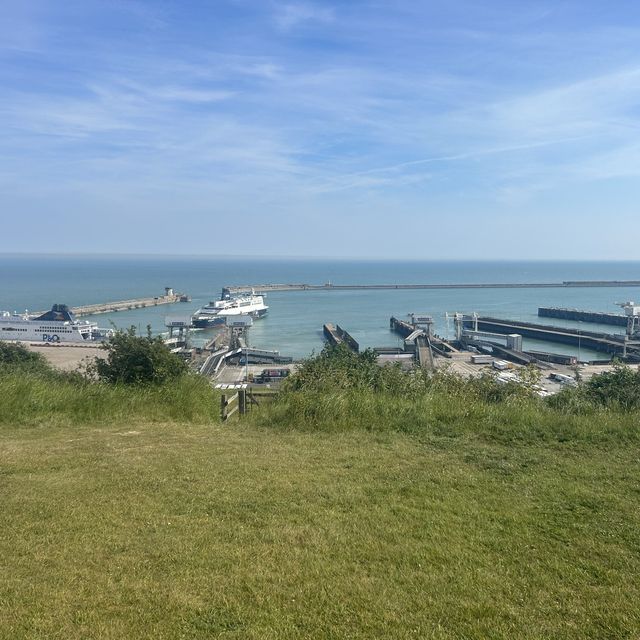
[363, 503]
[29, 399]
[133, 359]
[619, 388]
[341, 390]
[337, 368]
[15, 356]
[33, 393]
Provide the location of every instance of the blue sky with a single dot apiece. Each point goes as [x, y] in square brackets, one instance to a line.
[397, 129]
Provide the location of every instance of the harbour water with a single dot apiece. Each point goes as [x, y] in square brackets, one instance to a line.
[294, 323]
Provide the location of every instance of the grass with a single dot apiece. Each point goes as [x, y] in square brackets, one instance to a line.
[332, 518]
[49, 398]
[438, 413]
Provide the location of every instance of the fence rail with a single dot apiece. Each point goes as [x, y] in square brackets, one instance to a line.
[242, 402]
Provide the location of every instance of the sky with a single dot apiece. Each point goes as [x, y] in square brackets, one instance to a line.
[413, 129]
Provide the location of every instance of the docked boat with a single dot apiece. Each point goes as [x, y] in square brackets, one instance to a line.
[57, 325]
[217, 312]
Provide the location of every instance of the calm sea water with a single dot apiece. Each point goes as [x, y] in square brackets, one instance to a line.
[294, 323]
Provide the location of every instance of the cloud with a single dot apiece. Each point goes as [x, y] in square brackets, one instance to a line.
[183, 94]
[382, 110]
[357, 179]
[576, 107]
[291, 15]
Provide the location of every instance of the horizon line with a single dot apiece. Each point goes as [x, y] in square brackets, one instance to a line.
[256, 256]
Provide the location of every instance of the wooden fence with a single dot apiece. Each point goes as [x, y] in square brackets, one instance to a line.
[242, 402]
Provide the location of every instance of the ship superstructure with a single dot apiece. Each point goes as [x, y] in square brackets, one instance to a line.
[216, 312]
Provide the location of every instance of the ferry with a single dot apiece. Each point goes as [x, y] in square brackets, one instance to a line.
[218, 311]
[57, 325]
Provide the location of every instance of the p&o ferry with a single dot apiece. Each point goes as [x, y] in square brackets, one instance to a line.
[57, 325]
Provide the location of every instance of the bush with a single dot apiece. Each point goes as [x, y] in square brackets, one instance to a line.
[337, 367]
[619, 388]
[15, 356]
[133, 359]
[340, 369]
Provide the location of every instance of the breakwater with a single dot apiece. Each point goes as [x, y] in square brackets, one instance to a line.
[169, 297]
[613, 344]
[329, 286]
[597, 317]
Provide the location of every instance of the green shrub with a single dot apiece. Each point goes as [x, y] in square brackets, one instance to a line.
[133, 359]
[618, 388]
[337, 368]
[338, 390]
[15, 356]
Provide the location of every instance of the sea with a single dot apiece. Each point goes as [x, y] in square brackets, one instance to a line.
[293, 325]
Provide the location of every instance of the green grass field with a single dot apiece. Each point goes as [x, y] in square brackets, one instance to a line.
[131, 528]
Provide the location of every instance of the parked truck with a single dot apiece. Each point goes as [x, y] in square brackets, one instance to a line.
[272, 375]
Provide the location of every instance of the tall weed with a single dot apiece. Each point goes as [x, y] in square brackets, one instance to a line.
[28, 398]
[341, 390]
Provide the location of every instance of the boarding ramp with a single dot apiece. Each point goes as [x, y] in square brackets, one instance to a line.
[512, 341]
[248, 355]
[424, 353]
[519, 357]
[214, 362]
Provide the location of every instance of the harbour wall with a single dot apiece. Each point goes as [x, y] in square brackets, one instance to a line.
[567, 284]
[597, 317]
[597, 341]
[125, 305]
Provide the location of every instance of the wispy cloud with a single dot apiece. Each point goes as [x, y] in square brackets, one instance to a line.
[184, 94]
[585, 105]
[353, 180]
[303, 109]
[292, 14]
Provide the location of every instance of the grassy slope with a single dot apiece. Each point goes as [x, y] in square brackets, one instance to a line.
[37, 399]
[168, 531]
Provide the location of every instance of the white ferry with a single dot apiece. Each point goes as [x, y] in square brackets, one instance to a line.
[218, 311]
[57, 325]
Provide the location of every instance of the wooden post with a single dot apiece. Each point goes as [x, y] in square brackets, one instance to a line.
[223, 407]
[242, 401]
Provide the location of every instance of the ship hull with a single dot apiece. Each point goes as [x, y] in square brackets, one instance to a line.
[206, 323]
